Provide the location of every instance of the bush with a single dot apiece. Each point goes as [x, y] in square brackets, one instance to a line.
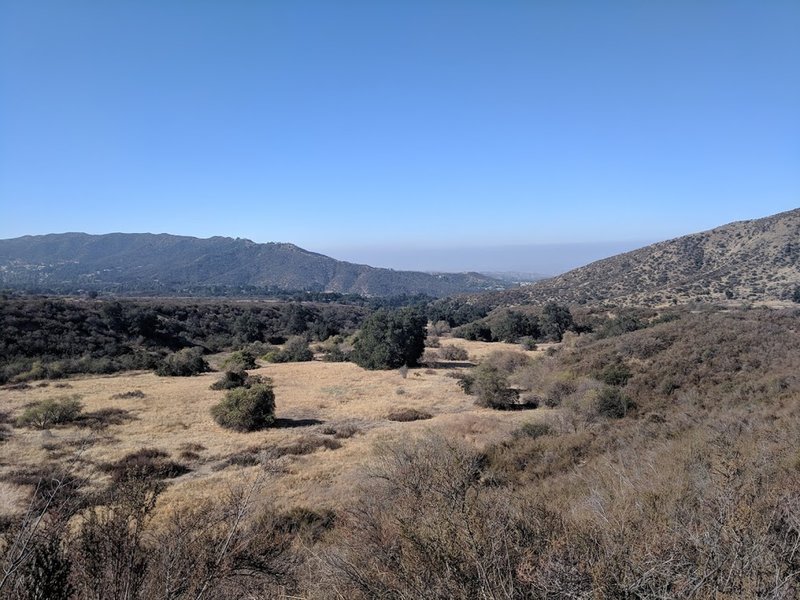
[612, 403]
[53, 411]
[128, 395]
[512, 325]
[305, 445]
[246, 409]
[143, 465]
[557, 391]
[230, 380]
[507, 361]
[534, 430]
[476, 332]
[491, 388]
[295, 350]
[405, 415]
[453, 353]
[240, 361]
[183, 363]
[336, 354]
[616, 373]
[390, 339]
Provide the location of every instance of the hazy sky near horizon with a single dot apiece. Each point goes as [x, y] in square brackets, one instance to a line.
[383, 129]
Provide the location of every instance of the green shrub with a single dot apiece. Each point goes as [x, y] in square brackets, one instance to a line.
[230, 380]
[512, 325]
[240, 360]
[490, 386]
[295, 350]
[534, 430]
[246, 409]
[477, 331]
[616, 373]
[183, 363]
[612, 403]
[53, 411]
[336, 354]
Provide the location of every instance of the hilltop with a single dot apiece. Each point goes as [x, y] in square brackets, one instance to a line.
[163, 263]
[755, 260]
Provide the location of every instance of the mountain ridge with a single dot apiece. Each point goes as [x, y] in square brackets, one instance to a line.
[160, 262]
[750, 260]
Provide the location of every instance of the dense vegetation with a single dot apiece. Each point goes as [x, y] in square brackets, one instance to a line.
[43, 337]
[670, 469]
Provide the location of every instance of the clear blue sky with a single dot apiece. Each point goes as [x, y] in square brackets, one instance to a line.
[398, 124]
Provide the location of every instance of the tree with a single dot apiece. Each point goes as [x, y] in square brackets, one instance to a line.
[512, 325]
[555, 321]
[390, 339]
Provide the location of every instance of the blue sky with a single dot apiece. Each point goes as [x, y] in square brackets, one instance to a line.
[356, 128]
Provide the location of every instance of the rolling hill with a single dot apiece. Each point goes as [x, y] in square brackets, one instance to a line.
[163, 263]
[756, 260]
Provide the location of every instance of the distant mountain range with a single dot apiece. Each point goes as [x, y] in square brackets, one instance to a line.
[753, 260]
[163, 263]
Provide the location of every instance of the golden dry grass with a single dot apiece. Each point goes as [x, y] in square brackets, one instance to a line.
[174, 416]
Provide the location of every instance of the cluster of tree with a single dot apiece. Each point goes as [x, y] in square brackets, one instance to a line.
[510, 325]
[55, 337]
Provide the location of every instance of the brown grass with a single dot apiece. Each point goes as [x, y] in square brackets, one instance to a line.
[312, 399]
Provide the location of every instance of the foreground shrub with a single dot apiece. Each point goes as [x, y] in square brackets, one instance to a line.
[246, 409]
[183, 363]
[53, 411]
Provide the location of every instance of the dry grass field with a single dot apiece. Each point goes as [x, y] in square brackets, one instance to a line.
[338, 402]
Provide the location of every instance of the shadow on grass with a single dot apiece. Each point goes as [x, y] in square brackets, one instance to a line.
[450, 364]
[285, 423]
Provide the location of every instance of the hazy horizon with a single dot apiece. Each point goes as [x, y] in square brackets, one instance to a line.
[540, 259]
